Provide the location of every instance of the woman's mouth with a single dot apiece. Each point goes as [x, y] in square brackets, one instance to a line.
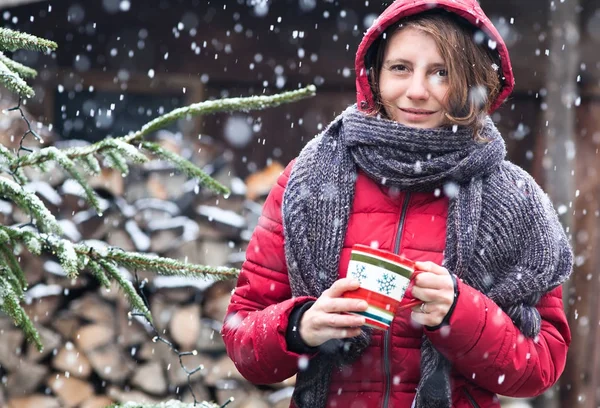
[420, 112]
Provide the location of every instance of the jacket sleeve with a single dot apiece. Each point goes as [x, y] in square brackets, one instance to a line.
[254, 330]
[485, 346]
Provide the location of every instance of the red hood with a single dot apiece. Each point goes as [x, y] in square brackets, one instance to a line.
[467, 9]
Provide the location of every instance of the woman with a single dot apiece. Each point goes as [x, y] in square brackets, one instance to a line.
[418, 168]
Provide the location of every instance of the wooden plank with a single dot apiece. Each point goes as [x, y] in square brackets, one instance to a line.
[581, 378]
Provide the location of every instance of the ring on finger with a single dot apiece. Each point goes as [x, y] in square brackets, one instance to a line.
[422, 308]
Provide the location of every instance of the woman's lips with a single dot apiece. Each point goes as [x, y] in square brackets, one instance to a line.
[416, 115]
[417, 111]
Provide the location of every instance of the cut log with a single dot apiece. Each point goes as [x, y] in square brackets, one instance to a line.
[201, 392]
[34, 401]
[42, 310]
[70, 359]
[93, 226]
[232, 389]
[92, 336]
[155, 188]
[120, 239]
[177, 294]
[210, 340]
[111, 363]
[185, 326]
[162, 311]
[260, 183]
[93, 308]
[154, 351]
[216, 300]
[109, 180]
[33, 264]
[122, 396]
[51, 341]
[130, 330]
[71, 391]
[97, 401]
[26, 379]
[150, 378]
[254, 400]
[214, 253]
[81, 282]
[164, 240]
[281, 398]
[66, 324]
[175, 373]
[223, 369]
[11, 343]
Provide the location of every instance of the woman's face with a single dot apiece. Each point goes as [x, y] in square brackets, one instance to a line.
[413, 81]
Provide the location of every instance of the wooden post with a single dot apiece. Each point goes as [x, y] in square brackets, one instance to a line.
[558, 126]
[558, 131]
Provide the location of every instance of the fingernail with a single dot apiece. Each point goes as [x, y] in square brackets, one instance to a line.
[363, 305]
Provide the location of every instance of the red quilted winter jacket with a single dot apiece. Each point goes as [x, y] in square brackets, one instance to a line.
[488, 353]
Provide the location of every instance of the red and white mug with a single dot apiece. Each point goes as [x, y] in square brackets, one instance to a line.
[386, 280]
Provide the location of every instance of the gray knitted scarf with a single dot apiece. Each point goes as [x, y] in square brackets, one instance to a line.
[493, 207]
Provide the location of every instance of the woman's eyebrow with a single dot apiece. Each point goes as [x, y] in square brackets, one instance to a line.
[440, 64]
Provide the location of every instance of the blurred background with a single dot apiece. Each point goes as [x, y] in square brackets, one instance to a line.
[121, 63]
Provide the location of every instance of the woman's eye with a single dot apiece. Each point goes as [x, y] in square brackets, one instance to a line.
[398, 67]
[442, 73]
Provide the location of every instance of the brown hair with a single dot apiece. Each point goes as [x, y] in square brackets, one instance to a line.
[474, 73]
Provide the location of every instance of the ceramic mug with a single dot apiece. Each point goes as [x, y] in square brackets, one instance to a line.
[385, 278]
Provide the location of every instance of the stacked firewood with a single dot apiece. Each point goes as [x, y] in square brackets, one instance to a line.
[96, 351]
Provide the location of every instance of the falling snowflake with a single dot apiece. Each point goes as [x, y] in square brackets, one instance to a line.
[360, 273]
[387, 283]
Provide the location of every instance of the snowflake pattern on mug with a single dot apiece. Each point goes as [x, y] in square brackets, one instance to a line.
[387, 283]
[360, 273]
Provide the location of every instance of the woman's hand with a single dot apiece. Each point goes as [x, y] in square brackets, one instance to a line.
[325, 320]
[435, 287]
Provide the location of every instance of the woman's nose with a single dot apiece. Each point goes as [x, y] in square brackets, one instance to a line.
[417, 88]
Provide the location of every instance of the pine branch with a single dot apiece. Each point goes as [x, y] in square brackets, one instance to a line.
[30, 203]
[90, 164]
[186, 167]
[201, 108]
[98, 273]
[126, 150]
[136, 301]
[7, 163]
[116, 161]
[132, 260]
[69, 166]
[13, 82]
[167, 266]
[11, 40]
[10, 305]
[14, 273]
[246, 104]
[65, 251]
[23, 70]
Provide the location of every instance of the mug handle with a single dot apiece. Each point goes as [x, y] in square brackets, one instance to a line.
[410, 301]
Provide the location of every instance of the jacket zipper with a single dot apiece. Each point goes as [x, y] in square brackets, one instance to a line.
[470, 398]
[387, 372]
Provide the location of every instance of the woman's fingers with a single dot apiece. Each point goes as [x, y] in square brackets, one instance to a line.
[434, 295]
[339, 305]
[432, 267]
[340, 286]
